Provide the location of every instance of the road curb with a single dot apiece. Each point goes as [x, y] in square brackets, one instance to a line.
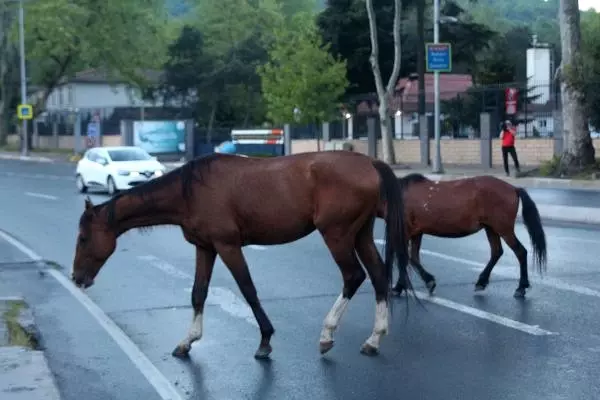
[548, 183]
[581, 215]
[25, 158]
[24, 372]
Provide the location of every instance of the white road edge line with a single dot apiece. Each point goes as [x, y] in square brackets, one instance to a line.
[161, 384]
[218, 296]
[41, 195]
[510, 323]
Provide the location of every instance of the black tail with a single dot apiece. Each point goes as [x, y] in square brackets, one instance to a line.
[533, 223]
[396, 243]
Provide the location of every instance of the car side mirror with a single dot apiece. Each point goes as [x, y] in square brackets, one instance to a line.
[102, 161]
[154, 158]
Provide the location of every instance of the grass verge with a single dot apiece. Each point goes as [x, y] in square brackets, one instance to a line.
[17, 336]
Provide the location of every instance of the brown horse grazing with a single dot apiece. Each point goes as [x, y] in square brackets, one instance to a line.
[223, 202]
[462, 207]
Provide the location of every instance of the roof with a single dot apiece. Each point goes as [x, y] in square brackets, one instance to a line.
[407, 92]
[93, 75]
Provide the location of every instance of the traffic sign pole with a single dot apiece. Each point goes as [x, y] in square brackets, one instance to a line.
[25, 136]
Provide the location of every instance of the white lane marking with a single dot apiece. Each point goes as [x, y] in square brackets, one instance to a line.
[161, 384]
[41, 195]
[574, 239]
[37, 176]
[256, 247]
[510, 323]
[11, 298]
[217, 296]
[546, 281]
[166, 267]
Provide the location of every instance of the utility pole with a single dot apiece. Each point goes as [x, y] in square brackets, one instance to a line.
[437, 161]
[25, 137]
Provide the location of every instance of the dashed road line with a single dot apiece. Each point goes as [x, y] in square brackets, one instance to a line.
[41, 195]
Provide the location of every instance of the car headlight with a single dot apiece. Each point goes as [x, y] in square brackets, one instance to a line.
[123, 172]
[158, 172]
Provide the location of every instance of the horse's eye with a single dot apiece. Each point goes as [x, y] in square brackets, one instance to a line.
[82, 240]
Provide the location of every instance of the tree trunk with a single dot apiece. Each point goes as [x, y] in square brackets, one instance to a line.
[579, 149]
[384, 94]
[421, 55]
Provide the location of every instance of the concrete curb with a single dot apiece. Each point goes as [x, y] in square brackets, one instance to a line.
[581, 215]
[24, 373]
[6, 156]
[548, 183]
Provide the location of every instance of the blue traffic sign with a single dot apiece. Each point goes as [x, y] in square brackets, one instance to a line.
[93, 133]
[439, 57]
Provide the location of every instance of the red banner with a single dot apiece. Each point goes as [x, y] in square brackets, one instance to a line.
[510, 100]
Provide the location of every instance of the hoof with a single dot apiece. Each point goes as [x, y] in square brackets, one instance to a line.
[263, 352]
[181, 351]
[369, 350]
[479, 287]
[431, 286]
[324, 347]
[519, 293]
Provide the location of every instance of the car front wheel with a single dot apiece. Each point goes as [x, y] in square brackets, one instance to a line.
[111, 187]
[81, 187]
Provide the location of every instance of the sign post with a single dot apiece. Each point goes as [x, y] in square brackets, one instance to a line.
[439, 59]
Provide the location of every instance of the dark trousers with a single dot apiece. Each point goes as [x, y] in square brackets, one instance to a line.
[506, 150]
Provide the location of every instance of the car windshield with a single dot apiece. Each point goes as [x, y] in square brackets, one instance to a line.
[128, 155]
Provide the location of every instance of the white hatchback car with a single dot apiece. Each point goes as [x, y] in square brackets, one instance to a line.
[116, 168]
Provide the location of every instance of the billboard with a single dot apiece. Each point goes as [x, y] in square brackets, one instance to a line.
[158, 137]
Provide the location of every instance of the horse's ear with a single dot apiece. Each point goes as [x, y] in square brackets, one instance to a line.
[88, 203]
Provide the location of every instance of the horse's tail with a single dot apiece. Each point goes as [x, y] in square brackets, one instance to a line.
[396, 243]
[533, 223]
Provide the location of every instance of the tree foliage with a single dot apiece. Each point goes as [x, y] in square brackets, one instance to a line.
[301, 73]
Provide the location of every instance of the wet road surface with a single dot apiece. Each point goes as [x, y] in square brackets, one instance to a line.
[465, 346]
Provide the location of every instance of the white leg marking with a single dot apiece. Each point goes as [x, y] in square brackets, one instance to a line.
[332, 319]
[195, 332]
[381, 324]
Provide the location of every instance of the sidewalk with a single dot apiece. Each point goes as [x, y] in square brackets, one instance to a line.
[462, 171]
[24, 372]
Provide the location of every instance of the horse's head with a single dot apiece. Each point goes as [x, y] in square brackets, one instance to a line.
[95, 243]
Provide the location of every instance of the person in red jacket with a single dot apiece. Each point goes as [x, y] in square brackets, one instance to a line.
[507, 135]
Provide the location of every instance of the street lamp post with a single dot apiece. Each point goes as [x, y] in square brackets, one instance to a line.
[437, 161]
[25, 137]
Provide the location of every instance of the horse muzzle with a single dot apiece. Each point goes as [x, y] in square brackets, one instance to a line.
[82, 281]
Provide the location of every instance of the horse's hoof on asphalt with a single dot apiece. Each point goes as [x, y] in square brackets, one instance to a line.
[181, 351]
[263, 352]
[324, 347]
[369, 350]
[431, 286]
[519, 293]
[479, 288]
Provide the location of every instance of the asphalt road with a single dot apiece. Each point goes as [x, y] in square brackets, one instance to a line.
[462, 346]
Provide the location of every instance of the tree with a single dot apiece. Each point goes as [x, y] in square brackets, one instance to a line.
[579, 150]
[590, 50]
[301, 73]
[8, 72]
[125, 38]
[384, 93]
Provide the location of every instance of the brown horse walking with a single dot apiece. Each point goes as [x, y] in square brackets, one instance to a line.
[223, 202]
[462, 207]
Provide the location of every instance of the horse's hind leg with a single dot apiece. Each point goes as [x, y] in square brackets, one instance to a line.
[496, 253]
[521, 254]
[205, 261]
[233, 258]
[341, 246]
[367, 251]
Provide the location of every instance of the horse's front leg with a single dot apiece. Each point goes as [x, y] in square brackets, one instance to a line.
[205, 261]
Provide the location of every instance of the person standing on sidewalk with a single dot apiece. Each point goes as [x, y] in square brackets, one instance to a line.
[507, 135]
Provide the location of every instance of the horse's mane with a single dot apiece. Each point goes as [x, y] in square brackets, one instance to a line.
[192, 171]
[410, 179]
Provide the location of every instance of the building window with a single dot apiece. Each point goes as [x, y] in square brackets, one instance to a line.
[61, 100]
[542, 123]
[70, 95]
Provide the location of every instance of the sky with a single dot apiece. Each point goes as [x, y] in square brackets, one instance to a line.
[587, 4]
